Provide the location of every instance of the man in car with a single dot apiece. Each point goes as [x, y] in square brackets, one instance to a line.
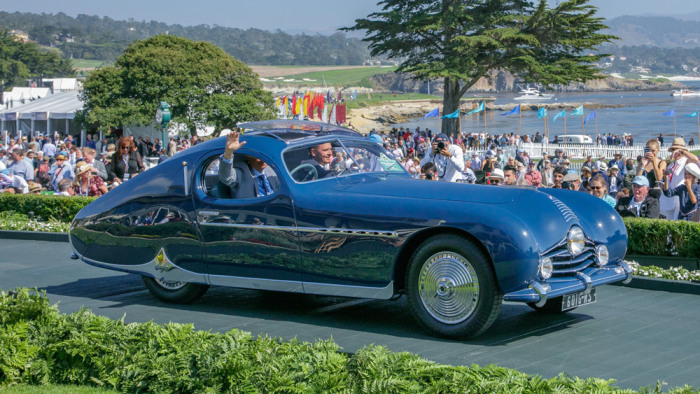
[246, 178]
[321, 158]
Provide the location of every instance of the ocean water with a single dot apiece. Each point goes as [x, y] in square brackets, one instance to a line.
[640, 116]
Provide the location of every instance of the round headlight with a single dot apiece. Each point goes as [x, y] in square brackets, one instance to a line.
[546, 268]
[576, 241]
[602, 255]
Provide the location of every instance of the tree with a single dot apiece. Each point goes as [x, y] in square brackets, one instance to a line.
[463, 40]
[202, 84]
[20, 61]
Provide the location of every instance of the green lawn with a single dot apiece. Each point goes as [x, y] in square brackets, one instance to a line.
[88, 63]
[351, 76]
[381, 98]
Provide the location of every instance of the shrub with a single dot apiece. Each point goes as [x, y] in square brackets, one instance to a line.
[658, 237]
[39, 345]
[61, 208]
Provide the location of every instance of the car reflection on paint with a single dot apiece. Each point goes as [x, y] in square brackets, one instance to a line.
[360, 228]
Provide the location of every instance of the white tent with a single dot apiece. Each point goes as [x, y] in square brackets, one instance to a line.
[54, 112]
[22, 95]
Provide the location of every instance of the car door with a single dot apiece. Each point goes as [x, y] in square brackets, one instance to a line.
[248, 242]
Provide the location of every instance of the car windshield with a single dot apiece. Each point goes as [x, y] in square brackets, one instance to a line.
[338, 158]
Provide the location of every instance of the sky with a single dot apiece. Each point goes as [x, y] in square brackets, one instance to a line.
[293, 16]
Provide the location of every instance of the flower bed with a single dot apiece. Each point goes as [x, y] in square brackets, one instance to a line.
[10, 220]
[673, 273]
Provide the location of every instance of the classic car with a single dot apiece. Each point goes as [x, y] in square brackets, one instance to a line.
[360, 226]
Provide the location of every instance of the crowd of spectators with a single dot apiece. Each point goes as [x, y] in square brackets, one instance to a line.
[59, 166]
[645, 186]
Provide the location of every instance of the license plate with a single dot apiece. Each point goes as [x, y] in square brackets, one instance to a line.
[575, 300]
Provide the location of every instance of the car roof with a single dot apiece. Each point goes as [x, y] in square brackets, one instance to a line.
[294, 130]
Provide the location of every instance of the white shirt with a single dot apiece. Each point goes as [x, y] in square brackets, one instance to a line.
[449, 169]
[677, 179]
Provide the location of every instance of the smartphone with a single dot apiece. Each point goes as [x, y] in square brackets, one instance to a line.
[646, 150]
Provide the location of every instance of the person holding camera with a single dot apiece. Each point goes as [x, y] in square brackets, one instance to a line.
[429, 171]
[448, 158]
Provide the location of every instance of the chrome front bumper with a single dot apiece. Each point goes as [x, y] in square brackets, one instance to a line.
[538, 292]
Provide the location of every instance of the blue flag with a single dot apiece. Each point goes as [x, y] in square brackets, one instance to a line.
[453, 115]
[561, 114]
[669, 113]
[480, 108]
[693, 115]
[542, 113]
[435, 112]
[590, 116]
[515, 110]
[577, 112]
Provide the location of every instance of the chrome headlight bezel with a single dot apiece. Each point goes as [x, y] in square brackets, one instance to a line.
[602, 255]
[575, 241]
[545, 268]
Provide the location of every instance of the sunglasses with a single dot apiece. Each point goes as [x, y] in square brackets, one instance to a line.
[495, 181]
[124, 147]
[596, 187]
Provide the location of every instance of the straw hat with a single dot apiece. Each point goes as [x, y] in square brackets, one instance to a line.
[678, 143]
[34, 187]
[82, 167]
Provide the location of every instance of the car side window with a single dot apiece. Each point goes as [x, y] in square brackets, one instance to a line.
[246, 176]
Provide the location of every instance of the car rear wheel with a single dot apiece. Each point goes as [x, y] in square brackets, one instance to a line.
[451, 287]
[552, 305]
[174, 292]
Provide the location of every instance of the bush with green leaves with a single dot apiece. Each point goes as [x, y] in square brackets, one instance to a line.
[659, 237]
[45, 207]
[39, 345]
[10, 220]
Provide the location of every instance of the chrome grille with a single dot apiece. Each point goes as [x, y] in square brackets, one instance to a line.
[565, 264]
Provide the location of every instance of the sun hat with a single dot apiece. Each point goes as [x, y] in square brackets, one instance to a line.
[693, 169]
[82, 167]
[640, 180]
[614, 167]
[678, 143]
[603, 167]
[497, 173]
[60, 157]
[34, 187]
[585, 168]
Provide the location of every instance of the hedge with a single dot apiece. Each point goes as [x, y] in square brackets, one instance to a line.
[659, 237]
[61, 208]
[646, 236]
[39, 345]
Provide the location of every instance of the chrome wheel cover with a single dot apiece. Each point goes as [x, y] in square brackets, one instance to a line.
[170, 285]
[448, 287]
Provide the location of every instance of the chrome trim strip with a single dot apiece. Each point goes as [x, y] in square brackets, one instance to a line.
[185, 178]
[382, 293]
[242, 282]
[207, 213]
[335, 231]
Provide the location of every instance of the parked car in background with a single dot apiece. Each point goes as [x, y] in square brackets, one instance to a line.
[359, 227]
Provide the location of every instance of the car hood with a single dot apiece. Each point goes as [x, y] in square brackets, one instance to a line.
[404, 187]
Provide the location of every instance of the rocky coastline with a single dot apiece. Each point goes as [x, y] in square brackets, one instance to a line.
[383, 116]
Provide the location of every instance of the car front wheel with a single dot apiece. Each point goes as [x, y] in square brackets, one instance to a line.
[451, 287]
[174, 292]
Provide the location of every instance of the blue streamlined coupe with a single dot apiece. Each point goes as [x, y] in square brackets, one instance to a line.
[339, 216]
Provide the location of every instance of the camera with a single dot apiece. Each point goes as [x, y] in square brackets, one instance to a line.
[429, 176]
[440, 145]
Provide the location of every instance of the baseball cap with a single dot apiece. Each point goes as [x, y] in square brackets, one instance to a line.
[641, 180]
[441, 137]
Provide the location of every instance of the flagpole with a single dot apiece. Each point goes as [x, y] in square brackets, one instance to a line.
[520, 117]
[484, 111]
[674, 124]
[583, 128]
